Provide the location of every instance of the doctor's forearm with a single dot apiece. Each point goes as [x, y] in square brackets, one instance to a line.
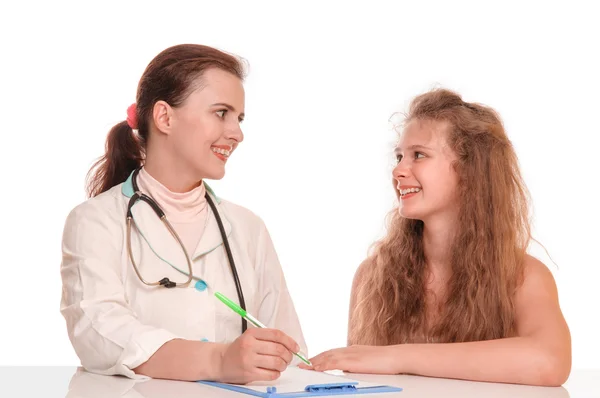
[185, 360]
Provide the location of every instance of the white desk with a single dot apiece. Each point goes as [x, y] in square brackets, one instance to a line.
[72, 382]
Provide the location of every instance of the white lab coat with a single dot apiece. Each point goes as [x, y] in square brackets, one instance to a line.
[116, 323]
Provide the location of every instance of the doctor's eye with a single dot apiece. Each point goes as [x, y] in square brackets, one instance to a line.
[221, 113]
[419, 153]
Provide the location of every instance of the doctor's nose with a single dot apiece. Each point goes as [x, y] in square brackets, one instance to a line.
[235, 134]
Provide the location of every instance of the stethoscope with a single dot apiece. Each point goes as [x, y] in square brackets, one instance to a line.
[137, 195]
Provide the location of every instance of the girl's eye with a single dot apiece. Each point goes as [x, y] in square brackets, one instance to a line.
[417, 154]
[398, 158]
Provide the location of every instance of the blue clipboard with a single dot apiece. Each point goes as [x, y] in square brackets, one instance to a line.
[311, 390]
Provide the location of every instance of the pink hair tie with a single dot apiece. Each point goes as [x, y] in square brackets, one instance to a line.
[132, 116]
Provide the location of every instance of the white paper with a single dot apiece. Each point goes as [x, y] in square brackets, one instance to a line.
[294, 379]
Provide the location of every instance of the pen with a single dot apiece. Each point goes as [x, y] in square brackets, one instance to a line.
[244, 314]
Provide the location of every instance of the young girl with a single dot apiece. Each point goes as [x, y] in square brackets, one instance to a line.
[143, 257]
[450, 291]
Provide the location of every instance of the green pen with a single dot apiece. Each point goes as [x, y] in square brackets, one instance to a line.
[244, 314]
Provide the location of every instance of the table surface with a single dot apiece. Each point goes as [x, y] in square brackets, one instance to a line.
[74, 382]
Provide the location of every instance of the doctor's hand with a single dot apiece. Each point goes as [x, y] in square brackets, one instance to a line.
[257, 355]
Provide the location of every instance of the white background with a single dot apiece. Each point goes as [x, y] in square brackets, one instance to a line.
[316, 160]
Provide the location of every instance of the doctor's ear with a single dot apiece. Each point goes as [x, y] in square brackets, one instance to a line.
[162, 115]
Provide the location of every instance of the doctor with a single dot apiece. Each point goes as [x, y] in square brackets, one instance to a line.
[131, 305]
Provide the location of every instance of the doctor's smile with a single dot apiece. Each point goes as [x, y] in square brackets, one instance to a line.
[222, 151]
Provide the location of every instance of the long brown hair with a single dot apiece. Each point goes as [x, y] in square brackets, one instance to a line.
[487, 254]
[171, 77]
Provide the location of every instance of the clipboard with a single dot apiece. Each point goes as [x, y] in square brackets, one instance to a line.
[295, 382]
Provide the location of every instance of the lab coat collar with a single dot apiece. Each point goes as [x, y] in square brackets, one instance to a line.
[155, 233]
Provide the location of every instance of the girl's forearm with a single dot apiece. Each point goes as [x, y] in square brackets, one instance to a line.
[519, 360]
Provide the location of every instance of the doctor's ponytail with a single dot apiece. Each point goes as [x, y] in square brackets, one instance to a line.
[171, 77]
[123, 154]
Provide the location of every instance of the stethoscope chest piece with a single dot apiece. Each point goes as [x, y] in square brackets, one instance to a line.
[201, 285]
